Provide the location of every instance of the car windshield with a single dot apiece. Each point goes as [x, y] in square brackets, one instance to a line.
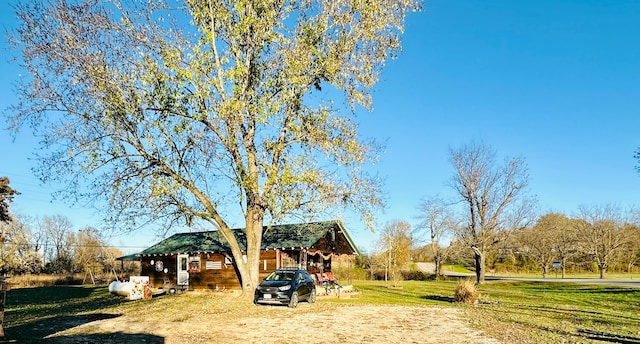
[281, 276]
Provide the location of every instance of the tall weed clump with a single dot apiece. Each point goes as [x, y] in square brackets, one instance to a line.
[467, 292]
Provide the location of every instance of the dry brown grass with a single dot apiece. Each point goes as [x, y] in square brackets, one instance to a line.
[205, 317]
[467, 292]
[43, 280]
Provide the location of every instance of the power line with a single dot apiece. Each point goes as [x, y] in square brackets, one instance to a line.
[48, 244]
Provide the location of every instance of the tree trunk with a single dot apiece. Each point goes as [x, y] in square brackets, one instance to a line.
[601, 269]
[544, 271]
[249, 268]
[247, 262]
[436, 260]
[479, 260]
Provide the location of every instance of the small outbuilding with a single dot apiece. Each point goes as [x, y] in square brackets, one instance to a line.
[203, 260]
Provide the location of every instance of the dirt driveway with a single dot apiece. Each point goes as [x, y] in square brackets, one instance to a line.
[199, 321]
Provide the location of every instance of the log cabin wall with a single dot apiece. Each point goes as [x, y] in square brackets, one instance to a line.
[159, 268]
[211, 271]
[216, 272]
[333, 241]
[269, 261]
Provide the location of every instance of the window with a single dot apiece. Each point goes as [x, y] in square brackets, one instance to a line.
[194, 264]
[183, 264]
[213, 265]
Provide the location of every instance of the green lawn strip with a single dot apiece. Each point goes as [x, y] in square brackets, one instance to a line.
[406, 293]
[548, 312]
[552, 275]
[526, 312]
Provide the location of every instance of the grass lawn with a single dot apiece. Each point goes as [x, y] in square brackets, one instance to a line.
[513, 312]
[529, 312]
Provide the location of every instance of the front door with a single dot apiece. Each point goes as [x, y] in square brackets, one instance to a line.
[183, 269]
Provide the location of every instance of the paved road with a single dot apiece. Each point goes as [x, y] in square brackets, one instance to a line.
[629, 283]
[428, 268]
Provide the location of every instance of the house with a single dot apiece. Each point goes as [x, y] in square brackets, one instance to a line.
[203, 260]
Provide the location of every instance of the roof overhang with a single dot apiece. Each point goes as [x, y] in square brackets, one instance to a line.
[133, 256]
[349, 240]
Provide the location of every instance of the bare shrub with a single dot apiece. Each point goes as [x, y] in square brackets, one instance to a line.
[467, 292]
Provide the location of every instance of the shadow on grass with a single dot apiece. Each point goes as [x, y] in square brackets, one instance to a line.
[116, 337]
[25, 304]
[47, 295]
[590, 334]
[32, 315]
[37, 330]
[599, 317]
[515, 315]
[618, 291]
[448, 299]
[608, 337]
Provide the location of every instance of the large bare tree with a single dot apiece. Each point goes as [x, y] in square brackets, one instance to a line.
[202, 112]
[17, 253]
[543, 241]
[630, 254]
[438, 221]
[566, 240]
[600, 230]
[58, 251]
[493, 197]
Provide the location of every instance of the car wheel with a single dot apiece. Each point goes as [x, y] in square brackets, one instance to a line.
[294, 300]
[312, 296]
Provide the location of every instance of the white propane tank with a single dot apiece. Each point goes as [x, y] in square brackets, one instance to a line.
[120, 288]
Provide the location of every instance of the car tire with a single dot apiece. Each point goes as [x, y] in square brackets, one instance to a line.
[293, 302]
[312, 296]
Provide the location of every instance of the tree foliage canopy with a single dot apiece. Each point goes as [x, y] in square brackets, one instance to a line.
[395, 244]
[6, 196]
[178, 110]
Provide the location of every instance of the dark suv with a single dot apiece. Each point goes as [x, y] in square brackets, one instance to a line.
[286, 286]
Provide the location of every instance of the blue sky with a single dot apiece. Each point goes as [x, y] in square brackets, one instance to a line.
[555, 82]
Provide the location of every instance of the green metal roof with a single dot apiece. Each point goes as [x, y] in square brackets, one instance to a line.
[301, 235]
[133, 256]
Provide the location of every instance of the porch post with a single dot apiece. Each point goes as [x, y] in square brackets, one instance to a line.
[303, 259]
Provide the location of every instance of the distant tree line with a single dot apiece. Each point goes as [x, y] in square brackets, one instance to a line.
[51, 246]
[490, 224]
[599, 239]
